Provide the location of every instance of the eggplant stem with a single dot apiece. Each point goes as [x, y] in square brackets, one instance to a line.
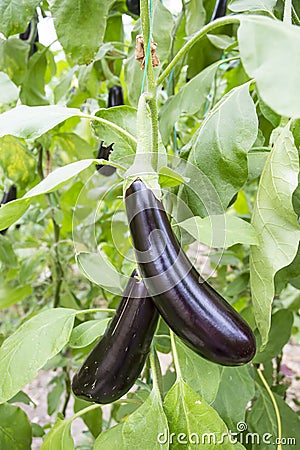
[175, 356]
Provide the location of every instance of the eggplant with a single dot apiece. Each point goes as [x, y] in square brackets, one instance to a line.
[104, 153]
[116, 361]
[115, 96]
[220, 10]
[8, 197]
[26, 35]
[133, 6]
[198, 314]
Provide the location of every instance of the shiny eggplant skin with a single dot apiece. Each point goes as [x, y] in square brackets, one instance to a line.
[115, 363]
[115, 97]
[8, 197]
[104, 153]
[220, 10]
[133, 6]
[190, 306]
[25, 36]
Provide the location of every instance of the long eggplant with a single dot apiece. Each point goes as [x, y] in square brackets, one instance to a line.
[104, 153]
[190, 306]
[220, 10]
[116, 361]
[115, 96]
[8, 197]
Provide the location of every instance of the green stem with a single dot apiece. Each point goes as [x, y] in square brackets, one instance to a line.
[154, 372]
[278, 418]
[227, 20]
[56, 232]
[68, 391]
[151, 85]
[175, 356]
[95, 310]
[287, 15]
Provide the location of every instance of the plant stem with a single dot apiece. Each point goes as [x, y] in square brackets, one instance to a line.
[56, 231]
[175, 356]
[151, 85]
[95, 310]
[206, 29]
[278, 418]
[287, 15]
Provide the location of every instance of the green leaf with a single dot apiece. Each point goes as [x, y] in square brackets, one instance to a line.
[9, 295]
[59, 437]
[111, 439]
[195, 16]
[236, 389]
[263, 43]
[31, 346]
[184, 101]
[145, 424]
[7, 254]
[276, 226]
[217, 164]
[123, 136]
[98, 269]
[262, 420]
[9, 93]
[12, 211]
[33, 86]
[15, 15]
[203, 375]
[15, 429]
[81, 36]
[30, 122]
[13, 58]
[199, 423]
[54, 396]
[87, 332]
[220, 231]
[17, 163]
[252, 5]
[280, 332]
[92, 419]
[169, 178]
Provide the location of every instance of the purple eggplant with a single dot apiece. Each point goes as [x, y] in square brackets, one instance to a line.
[8, 197]
[133, 6]
[104, 153]
[200, 316]
[115, 96]
[220, 10]
[116, 361]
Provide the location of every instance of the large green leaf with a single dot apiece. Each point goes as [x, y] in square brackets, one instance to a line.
[15, 429]
[31, 346]
[33, 86]
[80, 26]
[217, 164]
[59, 437]
[236, 390]
[195, 424]
[220, 231]
[9, 296]
[276, 226]
[184, 101]
[15, 15]
[145, 425]
[30, 122]
[12, 211]
[263, 45]
[7, 254]
[203, 375]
